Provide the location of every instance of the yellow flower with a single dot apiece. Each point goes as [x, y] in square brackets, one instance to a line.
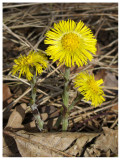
[70, 43]
[25, 64]
[90, 88]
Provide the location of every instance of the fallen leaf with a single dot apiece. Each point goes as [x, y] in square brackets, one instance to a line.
[9, 147]
[110, 80]
[17, 116]
[108, 140]
[44, 116]
[100, 74]
[78, 147]
[7, 96]
[60, 144]
[114, 108]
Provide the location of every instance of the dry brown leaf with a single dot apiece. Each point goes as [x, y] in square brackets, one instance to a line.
[100, 74]
[61, 144]
[108, 141]
[80, 143]
[17, 117]
[114, 108]
[7, 96]
[108, 153]
[110, 80]
[30, 126]
[105, 142]
[9, 147]
[44, 116]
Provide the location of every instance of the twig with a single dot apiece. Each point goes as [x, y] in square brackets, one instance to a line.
[11, 105]
[19, 5]
[115, 122]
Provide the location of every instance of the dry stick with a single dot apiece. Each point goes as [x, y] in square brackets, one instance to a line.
[99, 28]
[92, 112]
[112, 88]
[15, 35]
[115, 122]
[89, 8]
[116, 56]
[111, 28]
[41, 38]
[44, 100]
[55, 68]
[26, 25]
[107, 68]
[21, 79]
[24, 81]
[109, 45]
[11, 105]
[19, 5]
[49, 74]
[80, 110]
[91, 14]
[40, 91]
[91, 108]
[108, 91]
[80, 14]
[107, 54]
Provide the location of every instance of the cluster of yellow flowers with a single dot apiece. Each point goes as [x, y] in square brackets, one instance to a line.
[70, 43]
[24, 64]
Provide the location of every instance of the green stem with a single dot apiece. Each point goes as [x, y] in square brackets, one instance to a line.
[75, 101]
[65, 122]
[34, 106]
[65, 98]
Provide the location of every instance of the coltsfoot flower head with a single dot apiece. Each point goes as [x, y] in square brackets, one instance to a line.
[70, 43]
[90, 88]
[24, 64]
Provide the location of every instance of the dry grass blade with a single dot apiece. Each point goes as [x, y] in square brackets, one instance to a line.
[19, 5]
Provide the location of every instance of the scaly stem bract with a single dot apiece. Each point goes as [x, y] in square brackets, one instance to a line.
[65, 98]
[34, 106]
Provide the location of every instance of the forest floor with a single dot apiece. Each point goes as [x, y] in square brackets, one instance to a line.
[92, 132]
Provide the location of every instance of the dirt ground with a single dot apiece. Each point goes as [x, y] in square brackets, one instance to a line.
[92, 132]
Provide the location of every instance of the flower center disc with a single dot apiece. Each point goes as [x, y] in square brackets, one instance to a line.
[70, 41]
[93, 86]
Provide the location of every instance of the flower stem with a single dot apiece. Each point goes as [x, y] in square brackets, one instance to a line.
[34, 108]
[75, 101]
[65, 98]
